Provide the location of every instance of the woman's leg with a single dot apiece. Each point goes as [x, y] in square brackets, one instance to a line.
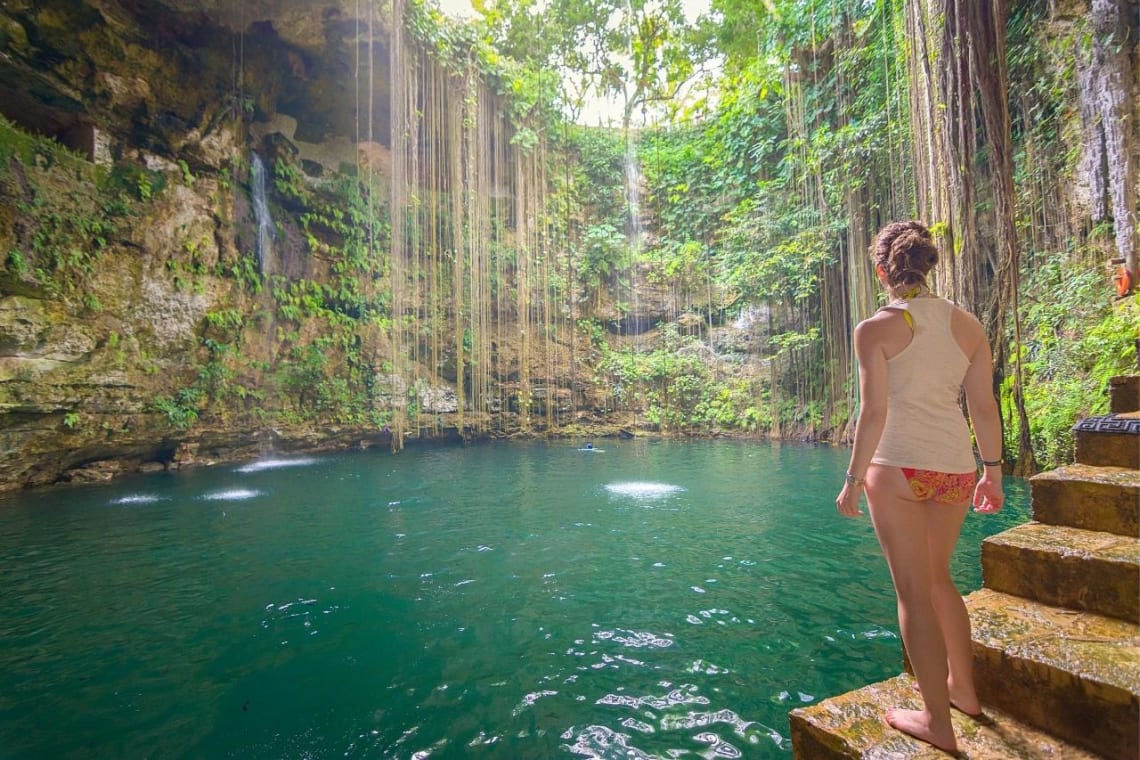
[904, 526]
[945, 525]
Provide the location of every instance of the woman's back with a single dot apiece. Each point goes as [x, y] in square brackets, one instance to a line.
[925, 427]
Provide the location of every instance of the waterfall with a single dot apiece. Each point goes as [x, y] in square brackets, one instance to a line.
[633, 192]
[633, 199]
[633, 321]
[261, 213]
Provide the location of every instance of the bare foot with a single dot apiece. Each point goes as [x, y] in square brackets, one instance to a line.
[976, 713]
[917, 724]
[968, 705]
[965, 703]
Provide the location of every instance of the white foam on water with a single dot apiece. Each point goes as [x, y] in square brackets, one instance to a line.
[643, 490]
[231, 494]
[275, 464]
[138, 498]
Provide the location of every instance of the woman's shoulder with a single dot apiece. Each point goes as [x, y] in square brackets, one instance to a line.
[967, 330]
[884, 316]
[963, 316]
[882, 324]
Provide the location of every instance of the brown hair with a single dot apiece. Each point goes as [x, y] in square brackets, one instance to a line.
[906, 252]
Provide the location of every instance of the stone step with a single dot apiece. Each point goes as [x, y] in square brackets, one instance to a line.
[1124, 394]
[1074, 674]
[851, 725]
[1094, 498]
[1066, 567]
[1110, 441]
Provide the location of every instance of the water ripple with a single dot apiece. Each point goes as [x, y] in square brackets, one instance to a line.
[680, 696]
[602, 742]
[635, 639]
[303, 611]
[528, 700]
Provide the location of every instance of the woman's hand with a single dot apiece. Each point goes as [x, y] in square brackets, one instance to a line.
[848, 500]
[988, 496]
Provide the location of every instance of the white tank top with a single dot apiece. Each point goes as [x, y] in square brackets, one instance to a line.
[925, 427]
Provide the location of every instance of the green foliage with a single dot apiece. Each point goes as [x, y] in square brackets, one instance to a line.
[463, 48]
[1074, 341]
[319, 387]
[181, 409]
[215, 375]
[599, 183]
[15, 262]
[289, 182]
[794, 341]
[733, 405]
[638, 53]
[595, 194]
[40, 152]
[784, 264]
[339, 225]
[304, 375]
[60, 242]
[69, 210]
[603, 249]
[677, 389]
[136, 182]
[594, 329]
[244, 270]
[228, 322]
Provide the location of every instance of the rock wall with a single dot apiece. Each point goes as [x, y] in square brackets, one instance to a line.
[87, 346]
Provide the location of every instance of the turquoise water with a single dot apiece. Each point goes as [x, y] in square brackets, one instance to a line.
[508, 600]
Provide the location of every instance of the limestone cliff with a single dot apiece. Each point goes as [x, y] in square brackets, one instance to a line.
[206, 272]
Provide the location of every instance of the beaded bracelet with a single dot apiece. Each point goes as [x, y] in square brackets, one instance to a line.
[854, 480]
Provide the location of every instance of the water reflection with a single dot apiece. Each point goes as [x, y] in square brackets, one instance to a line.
[275, 464]
[232, 494]
[639, 490]
[137, 498]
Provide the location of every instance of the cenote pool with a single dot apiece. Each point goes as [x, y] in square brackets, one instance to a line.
[505, 600]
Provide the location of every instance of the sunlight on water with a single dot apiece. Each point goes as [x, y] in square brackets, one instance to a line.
[138, 498]
[639, 490]
[232, 494]
[275, 464]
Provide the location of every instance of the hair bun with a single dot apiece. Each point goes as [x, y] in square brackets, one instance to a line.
[911, 238]
[906, 252]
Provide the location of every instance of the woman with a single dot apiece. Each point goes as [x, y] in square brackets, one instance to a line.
[913, 455]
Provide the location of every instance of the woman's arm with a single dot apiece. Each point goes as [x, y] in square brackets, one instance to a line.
[872, 411]
[985, 417]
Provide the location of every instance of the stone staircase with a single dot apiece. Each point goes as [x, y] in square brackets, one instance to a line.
[1056, 628]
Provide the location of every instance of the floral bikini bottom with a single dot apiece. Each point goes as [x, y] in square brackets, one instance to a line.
[941, 487]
